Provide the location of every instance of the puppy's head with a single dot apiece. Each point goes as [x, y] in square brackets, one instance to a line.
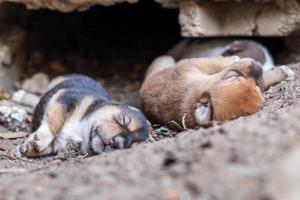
[245, 49]
[118, 127]
[234, 92]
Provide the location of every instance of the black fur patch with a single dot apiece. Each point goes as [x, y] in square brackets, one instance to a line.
[71, 98]
[96, 105]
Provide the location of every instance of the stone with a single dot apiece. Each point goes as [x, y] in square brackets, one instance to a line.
[201, 18]
[25, 98]
[13, 118]
[12, 56]
[247, 18]
[69, 5]
[37, 84]
[168, 3]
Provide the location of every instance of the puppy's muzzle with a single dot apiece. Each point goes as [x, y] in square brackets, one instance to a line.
[122, 141]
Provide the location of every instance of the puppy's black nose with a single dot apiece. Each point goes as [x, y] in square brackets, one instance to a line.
[114, 143]
[121, 141]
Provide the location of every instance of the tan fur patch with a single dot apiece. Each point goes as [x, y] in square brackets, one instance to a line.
[55, 117]
[232, 100]
[133, 125]
[105, 118]
[55, 114]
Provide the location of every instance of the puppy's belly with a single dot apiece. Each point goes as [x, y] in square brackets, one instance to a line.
[74, 135]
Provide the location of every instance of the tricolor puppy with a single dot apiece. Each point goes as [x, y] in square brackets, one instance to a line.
[76, 113]
[196, 91]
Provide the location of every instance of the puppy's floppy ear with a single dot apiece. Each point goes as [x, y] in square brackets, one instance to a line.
[122, 119]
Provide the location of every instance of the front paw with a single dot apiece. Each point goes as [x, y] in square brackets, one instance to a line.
[203, 113]
[41, 141]
[26, 149]
[289, 73]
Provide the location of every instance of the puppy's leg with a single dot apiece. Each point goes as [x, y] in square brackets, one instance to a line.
[28, 149]
[209, 65]
[277, 75]
[39, 142]
[53, 121]
[159, 64]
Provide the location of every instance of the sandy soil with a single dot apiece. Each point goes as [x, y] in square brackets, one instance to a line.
[229, 161]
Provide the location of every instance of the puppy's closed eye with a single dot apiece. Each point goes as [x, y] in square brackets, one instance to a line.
[232, 75]
[122, 119]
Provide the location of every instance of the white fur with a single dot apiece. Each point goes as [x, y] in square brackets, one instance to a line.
[290, 74]
[77, 130]
[44, 136]
[203, 114]
[74, 131]
[195, 75]
[269, 63]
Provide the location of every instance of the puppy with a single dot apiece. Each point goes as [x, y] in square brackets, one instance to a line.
[197, 91]
[76, 113]
[193, 48]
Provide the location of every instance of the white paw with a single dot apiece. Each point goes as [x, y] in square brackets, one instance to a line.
[203, 113]
[18, 96]
[26, 146]
[289, 73]
[42, 141]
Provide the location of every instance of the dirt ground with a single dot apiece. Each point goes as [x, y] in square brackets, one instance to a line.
[229, 161]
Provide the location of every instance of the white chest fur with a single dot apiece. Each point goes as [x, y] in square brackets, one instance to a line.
[75, 132]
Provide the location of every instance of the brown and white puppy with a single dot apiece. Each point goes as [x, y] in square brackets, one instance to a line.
[76, 113]
[195, 48]
[197, 91]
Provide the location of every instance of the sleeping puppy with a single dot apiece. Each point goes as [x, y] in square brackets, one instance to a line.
[76, 113]
[195, 48]
[197, 91]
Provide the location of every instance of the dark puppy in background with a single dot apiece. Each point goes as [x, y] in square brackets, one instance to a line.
[76, 113]
[243, 48]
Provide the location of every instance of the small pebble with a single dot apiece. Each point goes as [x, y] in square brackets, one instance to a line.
[13, 118]
[161, 137]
